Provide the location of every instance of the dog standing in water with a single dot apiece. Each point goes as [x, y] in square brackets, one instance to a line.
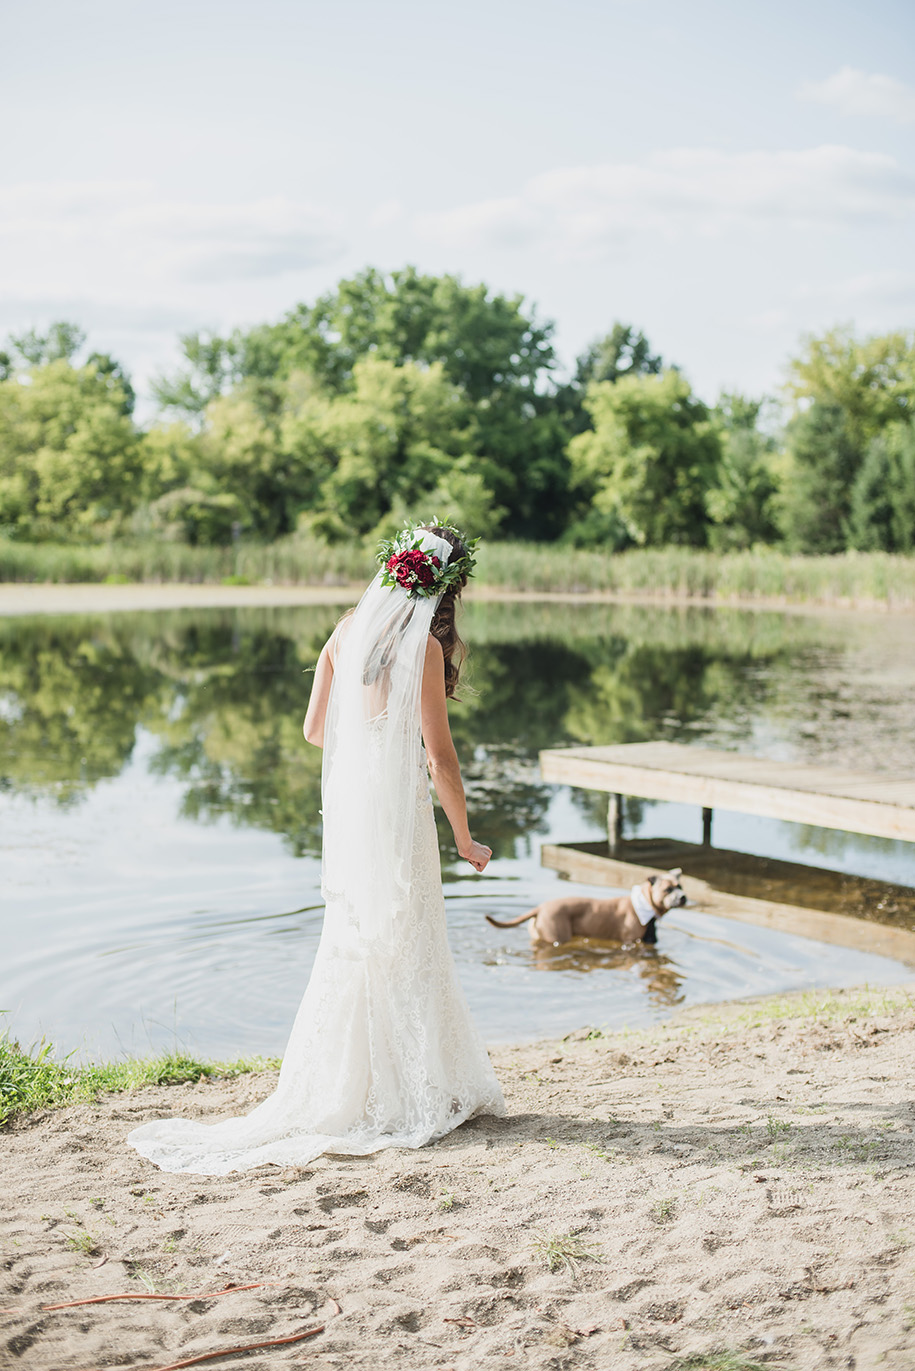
[628, 918]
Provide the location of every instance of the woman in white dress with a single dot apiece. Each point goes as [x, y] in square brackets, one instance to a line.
[383, 1052]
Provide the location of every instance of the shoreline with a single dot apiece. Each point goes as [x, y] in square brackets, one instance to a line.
[738, 1183]
[20, 598]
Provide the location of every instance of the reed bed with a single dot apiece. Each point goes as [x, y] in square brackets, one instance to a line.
[872, 578]
[850, 577]
[288, 561]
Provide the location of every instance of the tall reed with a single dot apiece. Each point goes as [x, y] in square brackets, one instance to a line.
[877, 578]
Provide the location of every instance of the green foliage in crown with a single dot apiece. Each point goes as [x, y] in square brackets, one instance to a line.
[406, 563]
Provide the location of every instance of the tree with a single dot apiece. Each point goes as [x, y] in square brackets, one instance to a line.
[651, 458]
[488, 346]
[741, 503]
[60, 343]
[846, 391]
[882, 514]
[69, 454]
[822, 462]
[213, 367]
[624, 351]
[397, 440]
[115, 377]
[870, 380]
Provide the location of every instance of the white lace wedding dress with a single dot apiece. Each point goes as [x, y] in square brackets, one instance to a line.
[383, 1052]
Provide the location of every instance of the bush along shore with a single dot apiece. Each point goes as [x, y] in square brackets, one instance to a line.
[866, 578]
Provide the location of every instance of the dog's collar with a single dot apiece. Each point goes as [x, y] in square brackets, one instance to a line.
[644, 909]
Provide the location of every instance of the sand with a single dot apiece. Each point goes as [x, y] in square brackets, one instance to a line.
[25, 597]
[740, 1181]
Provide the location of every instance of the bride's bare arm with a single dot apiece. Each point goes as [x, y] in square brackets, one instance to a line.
[313, 727]
[443, 762]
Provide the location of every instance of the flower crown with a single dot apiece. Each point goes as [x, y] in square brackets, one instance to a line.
[404, 562]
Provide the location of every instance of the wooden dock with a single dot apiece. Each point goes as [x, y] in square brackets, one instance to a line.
[594, 864]
[875, 803]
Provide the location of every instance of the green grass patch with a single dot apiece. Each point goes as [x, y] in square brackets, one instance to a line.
[564, 1251]
[726, 1360]
[35, 1079]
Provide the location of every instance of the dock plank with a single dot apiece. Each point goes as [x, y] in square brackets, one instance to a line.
[863, 936]
[871, 802]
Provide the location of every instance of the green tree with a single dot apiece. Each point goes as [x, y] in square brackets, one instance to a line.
[212, 366]
[651, 458]
[883, 497]
[69, 453]
[396, 438]
[846, 390]
[488, 346]
[741, 504]
[870, 380]
[624, 351]
[815, 498]
[60, 343]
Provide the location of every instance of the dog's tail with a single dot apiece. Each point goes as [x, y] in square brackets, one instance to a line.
[512, 923]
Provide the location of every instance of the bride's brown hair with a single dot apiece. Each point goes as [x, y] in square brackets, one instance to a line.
[443, 625]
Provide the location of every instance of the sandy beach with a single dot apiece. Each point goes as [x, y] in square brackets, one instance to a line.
[738, 1186]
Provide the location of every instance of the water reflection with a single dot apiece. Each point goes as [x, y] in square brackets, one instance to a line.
[159, 810]
[662, 978]
[223, 694]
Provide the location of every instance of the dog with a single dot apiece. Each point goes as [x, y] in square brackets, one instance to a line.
[628, 918]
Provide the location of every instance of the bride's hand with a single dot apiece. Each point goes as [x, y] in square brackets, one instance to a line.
[477, 854]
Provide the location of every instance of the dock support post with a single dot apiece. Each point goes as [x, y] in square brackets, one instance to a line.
[706, 828]
[614, 823]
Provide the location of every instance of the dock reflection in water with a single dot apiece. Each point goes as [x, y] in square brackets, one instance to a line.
[159, 810]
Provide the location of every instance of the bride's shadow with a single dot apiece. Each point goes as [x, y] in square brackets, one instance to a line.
[825, 1143]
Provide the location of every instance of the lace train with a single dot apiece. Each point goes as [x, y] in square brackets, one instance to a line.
[383, 1052]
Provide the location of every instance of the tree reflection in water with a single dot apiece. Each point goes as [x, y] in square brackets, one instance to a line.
[223, 693]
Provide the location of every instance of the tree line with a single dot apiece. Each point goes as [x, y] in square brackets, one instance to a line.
[405, 392]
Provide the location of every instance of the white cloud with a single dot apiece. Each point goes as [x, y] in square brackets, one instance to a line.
[120, 232]
[863, 93]
[594, 210]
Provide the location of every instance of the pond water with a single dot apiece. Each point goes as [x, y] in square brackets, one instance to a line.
[160, 834]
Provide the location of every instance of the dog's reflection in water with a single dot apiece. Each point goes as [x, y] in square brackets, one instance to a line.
[664, 982]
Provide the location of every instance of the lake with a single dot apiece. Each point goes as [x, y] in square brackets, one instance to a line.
[160, 826]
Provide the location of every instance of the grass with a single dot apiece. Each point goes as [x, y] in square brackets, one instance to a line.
[35, 1079]
[826, 1006]
[770, 574]
[564, 1251]
[718, 1361]
[766, 574]
[294, 560]
[664, 1211]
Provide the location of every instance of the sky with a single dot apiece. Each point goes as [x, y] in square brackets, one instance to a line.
[724, 176]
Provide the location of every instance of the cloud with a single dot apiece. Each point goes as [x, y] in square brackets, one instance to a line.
[863, 93]
[593, 210]
[141, 237]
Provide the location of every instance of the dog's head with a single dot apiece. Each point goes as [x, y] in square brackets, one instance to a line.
[666, 892]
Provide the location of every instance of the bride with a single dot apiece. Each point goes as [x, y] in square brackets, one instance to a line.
[383, 1052]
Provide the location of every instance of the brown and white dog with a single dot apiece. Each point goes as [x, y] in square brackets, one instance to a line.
[628, 918]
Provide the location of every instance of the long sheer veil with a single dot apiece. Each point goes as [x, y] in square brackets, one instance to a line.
[383, 1051]
[372, 747]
